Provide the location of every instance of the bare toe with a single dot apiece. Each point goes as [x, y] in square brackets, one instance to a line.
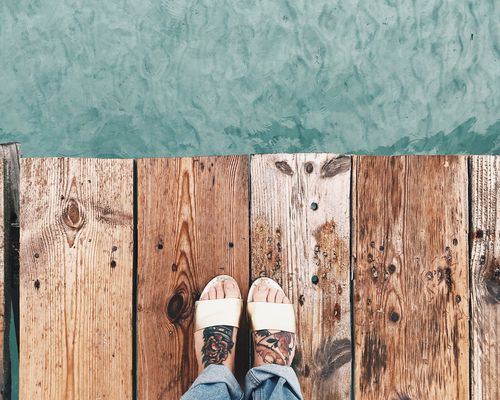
[271, 296]
[286, 300]
[280, 296]
[260, 292]
[219, 290]
[212, 294]
[231, 289]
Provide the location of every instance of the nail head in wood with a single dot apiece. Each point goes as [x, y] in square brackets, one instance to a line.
[394, 316]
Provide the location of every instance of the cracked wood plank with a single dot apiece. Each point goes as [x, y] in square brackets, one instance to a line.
[76, 278]
[300, 229]
[411, 279]
[9, 294]
[192, 226]
[485, 270]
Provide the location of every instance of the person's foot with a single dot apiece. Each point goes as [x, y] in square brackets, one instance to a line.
[216, 344]
[272, 346]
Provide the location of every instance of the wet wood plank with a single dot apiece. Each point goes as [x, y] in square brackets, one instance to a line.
[192, 226]
[9, 287]
[76, 279]
[300, 237]
[485, 269]
[411, 278]
[4, 299]
[10, 152]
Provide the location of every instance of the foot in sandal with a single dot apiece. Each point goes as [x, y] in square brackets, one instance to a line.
[217, 317]
[273, 323]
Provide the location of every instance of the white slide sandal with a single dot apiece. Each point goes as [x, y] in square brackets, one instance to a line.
[225, 311]
[270, 316]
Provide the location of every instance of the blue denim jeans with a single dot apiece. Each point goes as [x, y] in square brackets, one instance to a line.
[269, 382]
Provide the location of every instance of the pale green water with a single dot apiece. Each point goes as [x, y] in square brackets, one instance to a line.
[169, 77]
[144, 78]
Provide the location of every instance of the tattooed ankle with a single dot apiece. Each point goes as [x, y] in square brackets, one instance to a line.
[274, 347]
[217, 344]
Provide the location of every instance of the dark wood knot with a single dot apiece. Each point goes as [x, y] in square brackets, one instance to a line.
[336, 312]
[73, 214]
[493, 286]
[284, 167]
[174, 307]
[335, 166]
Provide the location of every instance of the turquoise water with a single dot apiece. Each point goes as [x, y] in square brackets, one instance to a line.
[143, 78]
[134, 78]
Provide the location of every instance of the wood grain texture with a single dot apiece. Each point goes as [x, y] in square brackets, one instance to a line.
[76, 279]
[485, 269]
[411, 278]
[294, 240]
[192, 226]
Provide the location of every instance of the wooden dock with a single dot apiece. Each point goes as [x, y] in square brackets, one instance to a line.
[392, 262]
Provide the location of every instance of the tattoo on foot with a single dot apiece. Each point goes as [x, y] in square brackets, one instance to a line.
[275, 347]
[217, 344]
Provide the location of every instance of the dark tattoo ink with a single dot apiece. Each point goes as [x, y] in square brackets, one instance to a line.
[274, 348]
[217, 344]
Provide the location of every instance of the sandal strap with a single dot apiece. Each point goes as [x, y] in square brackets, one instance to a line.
[274, 316]
[217, 312]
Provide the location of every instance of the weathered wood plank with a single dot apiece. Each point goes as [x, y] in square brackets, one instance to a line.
[485, 269]
[300, 230]
[4, 299]
[192, 225]
[10, 152]
[411, 278]
[76, 278]
[9, 291]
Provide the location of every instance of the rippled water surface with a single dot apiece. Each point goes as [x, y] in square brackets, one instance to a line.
[135, 78]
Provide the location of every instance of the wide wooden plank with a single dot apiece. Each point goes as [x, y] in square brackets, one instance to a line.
[76, 279]
[192, 226]
[485, 269]
[300, 237]
[411, 278]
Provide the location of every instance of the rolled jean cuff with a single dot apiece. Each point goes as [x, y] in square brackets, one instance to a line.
[257, 375]
[214, 374]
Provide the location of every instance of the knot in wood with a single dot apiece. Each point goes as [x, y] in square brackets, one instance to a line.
[73, 215]
[493, 286]
[284, 167]
[175, 307]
